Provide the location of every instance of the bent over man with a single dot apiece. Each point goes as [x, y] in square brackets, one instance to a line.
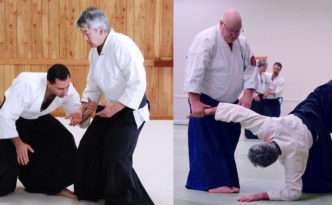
[34, 145]
[301, 141]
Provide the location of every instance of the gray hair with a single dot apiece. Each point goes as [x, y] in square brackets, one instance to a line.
[261, 62]
[263, 154]
[93, 17]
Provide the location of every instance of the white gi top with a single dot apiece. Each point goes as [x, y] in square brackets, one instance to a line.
[214, 69]
[289, 132]
[119, 73]
[24, 99]
[264, 83]
[279, 85]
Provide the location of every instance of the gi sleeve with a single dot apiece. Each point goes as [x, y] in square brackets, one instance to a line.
[198, 59]
[72, 100]
[130, 61]
[294, 164]
[279, 88]
[91, 90]
[259, 125]
[17, 99]
[249, 61]
[269, 84]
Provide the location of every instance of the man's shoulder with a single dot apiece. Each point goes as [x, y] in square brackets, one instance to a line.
[242, 40]
[281, 78]
[209, 33]
[30, 78]
[119, 39]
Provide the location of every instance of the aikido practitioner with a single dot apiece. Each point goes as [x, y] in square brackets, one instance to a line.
[274, 99]
[104, 163]
[264, 88]
[301, 141]
[220, 64]
[34, 145]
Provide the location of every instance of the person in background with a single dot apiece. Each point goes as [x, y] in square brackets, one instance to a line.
[274, 98]
[265, 88]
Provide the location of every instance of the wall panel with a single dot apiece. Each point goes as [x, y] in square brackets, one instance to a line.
[2, 29]
[38, 33]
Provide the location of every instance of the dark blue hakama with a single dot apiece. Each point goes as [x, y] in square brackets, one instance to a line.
[211, 151]
[274, 105]
[316, 113]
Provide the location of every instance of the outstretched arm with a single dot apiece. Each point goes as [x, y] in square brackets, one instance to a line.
[206, 112]
[258, 124]
[245, 100]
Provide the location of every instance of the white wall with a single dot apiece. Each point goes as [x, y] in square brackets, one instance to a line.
[298, 33]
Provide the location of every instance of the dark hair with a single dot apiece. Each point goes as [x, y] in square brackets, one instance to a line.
[263, 154]
[278, 64]
[261, 62]
[57, 71]
[93, 17]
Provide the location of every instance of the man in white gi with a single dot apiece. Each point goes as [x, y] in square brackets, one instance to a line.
[104, 163]
[265, 88]
[220, 64]
[301, 141]
[274, 98]
[34, 145]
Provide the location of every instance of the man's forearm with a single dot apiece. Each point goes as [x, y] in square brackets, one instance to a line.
[194, 97]
[248, 91]
[83, 109]
[17, 141]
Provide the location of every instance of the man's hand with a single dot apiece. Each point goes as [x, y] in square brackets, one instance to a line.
[110, 109]
[256, 97]
[91, 107]
[197, 107]
[254, 197]
[76, 117]
[22, 150]
[87, 108]
[267, 93]
[245, 100]
[206, 112]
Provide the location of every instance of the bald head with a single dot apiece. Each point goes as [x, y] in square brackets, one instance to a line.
[230, 25]
[232, 18]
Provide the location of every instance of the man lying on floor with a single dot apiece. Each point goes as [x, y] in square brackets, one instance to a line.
[301, 141]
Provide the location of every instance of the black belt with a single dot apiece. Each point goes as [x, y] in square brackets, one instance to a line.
[144, 101]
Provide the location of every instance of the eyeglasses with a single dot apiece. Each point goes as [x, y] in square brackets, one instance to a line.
[231, 31]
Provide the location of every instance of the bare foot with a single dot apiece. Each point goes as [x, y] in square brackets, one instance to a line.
[224, 189]
[235, 190]
[67, 193]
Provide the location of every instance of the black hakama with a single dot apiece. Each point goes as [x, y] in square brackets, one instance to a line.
[260, 107]
[50, 168]
[104, 167]
[316, 113]
[274, 105]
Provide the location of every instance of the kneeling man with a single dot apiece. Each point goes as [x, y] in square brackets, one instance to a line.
[34, 145]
